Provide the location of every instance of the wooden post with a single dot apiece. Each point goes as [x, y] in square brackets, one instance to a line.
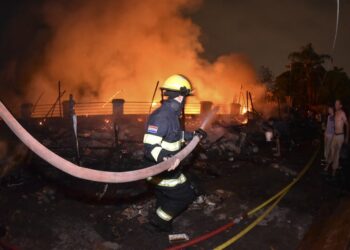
[37, 101]
[247, 101]
[154, 94]
[59, 98]
[118, 109]
[52, 109]
[251, 102]
[240, 93]
[118, 113]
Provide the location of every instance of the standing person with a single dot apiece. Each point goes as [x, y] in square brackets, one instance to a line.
[328, 134]
[74, 124]
[164, 137]
[71, 105]
[340, 121]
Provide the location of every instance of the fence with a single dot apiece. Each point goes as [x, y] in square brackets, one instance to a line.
[103, 108]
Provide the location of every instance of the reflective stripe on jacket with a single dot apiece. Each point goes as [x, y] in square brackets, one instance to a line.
[164, 136]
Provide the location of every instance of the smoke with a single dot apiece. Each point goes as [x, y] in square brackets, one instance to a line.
[97, 48]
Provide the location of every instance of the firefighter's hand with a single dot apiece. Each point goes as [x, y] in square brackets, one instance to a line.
[174, 165]
[201, 133]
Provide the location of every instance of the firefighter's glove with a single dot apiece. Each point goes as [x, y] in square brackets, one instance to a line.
[174, 164]
[201, 133]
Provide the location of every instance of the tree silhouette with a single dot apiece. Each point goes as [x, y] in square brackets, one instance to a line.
[303, 80]
[336, 85]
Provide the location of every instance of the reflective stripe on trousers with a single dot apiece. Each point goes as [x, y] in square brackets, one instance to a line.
[168, 182]
[163, 215]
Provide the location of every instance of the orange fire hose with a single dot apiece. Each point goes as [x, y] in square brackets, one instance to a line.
[91, 174]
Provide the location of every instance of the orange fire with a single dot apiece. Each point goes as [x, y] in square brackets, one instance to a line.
[101, 46]
[244, 110]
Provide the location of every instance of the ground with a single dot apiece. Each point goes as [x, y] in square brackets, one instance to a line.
[55, 211]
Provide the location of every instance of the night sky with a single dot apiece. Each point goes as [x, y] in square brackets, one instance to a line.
[264, 31]
[267, 31]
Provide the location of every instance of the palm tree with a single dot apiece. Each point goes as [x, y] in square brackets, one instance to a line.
[310, 65]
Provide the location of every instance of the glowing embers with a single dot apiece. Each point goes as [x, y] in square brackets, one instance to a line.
[244, 110]
[243, 118]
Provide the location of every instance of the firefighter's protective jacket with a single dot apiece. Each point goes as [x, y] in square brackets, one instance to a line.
[164, 136]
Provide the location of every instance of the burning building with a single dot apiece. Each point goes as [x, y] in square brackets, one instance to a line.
[120, 49]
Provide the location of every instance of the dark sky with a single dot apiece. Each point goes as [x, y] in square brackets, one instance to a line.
[267, 31]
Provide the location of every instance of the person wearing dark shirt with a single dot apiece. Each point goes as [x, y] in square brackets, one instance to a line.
[329, 133]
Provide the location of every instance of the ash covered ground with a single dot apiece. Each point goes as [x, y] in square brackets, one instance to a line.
[235, 170]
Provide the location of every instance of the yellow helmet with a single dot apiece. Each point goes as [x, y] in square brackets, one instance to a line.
[177, 83]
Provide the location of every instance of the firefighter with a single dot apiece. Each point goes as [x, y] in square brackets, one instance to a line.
[164, 137]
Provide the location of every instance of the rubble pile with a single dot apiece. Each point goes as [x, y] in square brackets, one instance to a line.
[12, 156]
[140, 211]
[227, 144]
[117, 143]
[211, 202]
[96, 140]
[206, 203]
[46, 195]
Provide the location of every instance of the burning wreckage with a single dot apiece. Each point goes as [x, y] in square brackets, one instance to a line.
[113, 148]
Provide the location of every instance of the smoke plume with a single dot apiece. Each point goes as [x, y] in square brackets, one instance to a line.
[97, 48]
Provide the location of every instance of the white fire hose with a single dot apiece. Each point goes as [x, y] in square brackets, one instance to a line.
[92, 174]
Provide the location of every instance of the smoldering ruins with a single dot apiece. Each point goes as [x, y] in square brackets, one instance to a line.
[83, 77]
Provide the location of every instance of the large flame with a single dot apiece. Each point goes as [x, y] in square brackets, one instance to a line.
[101, 47]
